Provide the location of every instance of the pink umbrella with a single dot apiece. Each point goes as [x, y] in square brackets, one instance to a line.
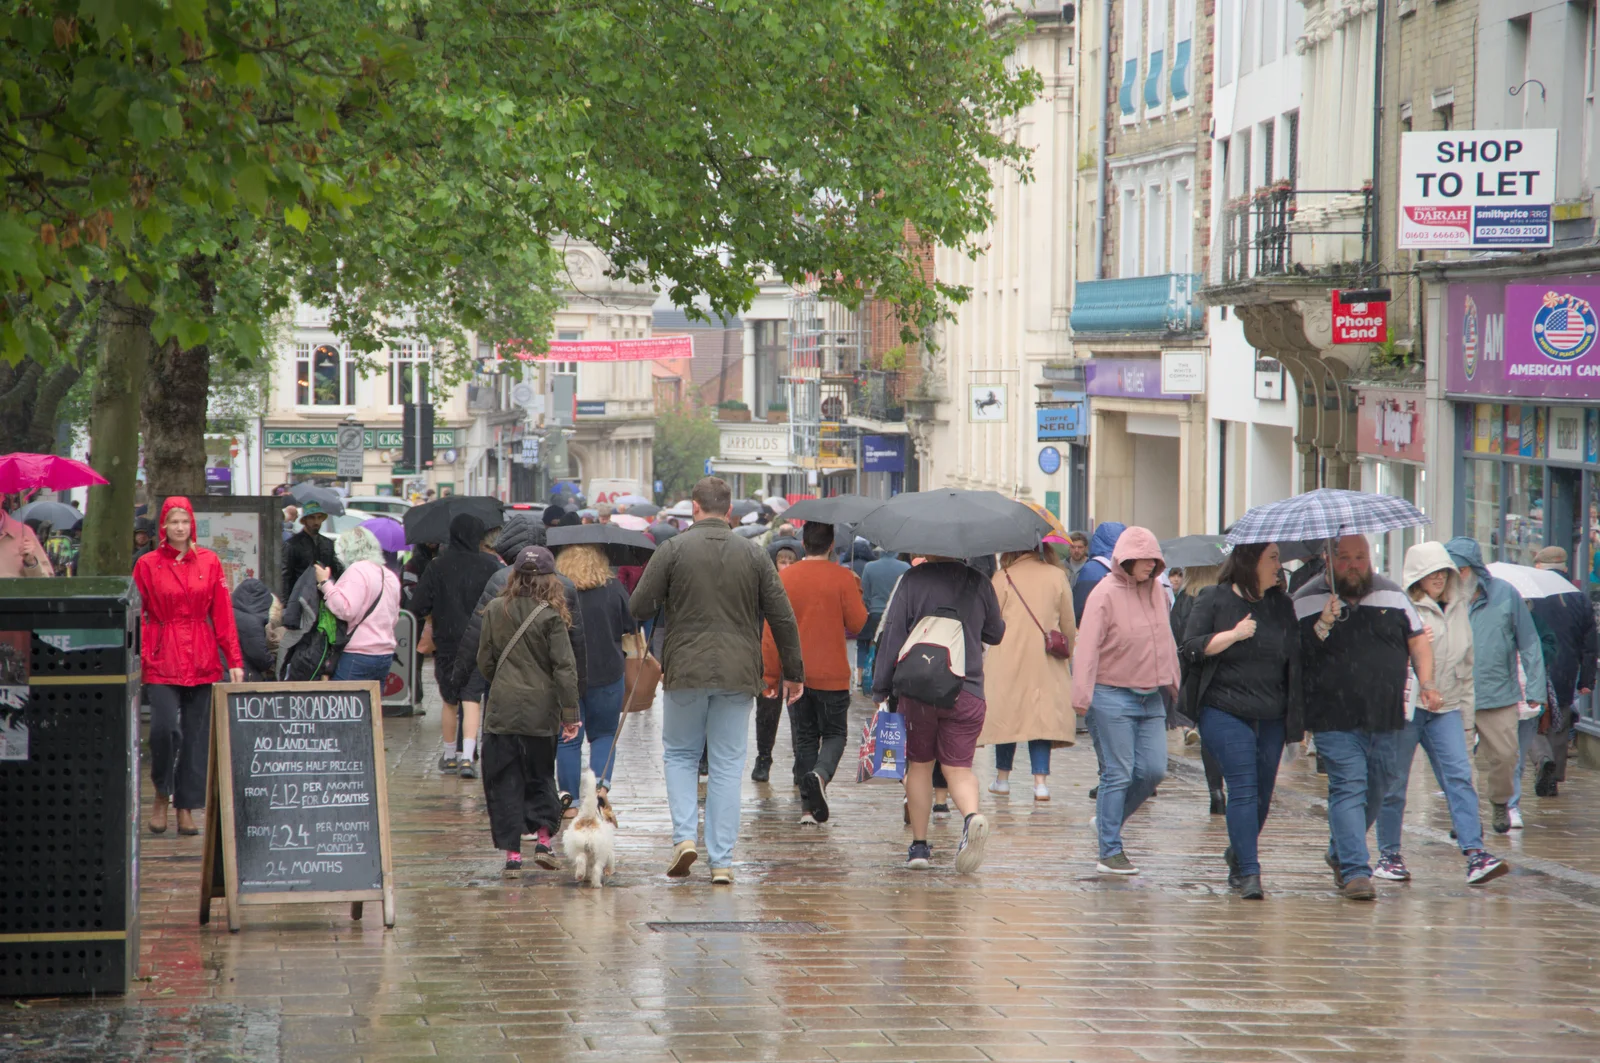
[23, 472]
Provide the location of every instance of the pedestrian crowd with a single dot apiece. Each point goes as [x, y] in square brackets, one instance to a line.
[541, 642]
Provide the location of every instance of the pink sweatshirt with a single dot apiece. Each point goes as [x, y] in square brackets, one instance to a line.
[349, 598]
[1125, 639]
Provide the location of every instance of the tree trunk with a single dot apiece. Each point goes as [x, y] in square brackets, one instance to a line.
[174, 420]
[114, 436]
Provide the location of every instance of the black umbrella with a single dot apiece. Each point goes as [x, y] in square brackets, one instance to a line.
[326, 497]
[623, 547]
[1189, 550]
[950, 523]
[643, 509]
[840, 509]
[661, 531]
[58, 515]
[785, 544]
[430, 522]
[742, 506]
[750, 531]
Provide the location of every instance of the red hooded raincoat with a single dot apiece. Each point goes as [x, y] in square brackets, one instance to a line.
[186, 612]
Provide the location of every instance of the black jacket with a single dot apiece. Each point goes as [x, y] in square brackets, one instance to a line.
[301, 552]
[1570, 620]
[252, 611]
[450, 587]
[1217, 609]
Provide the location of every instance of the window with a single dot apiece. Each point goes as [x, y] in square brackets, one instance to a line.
[567, 368]
[1239, 181]
[1157, 53]
[1182, 228]
[564, 367]
[1225, 35]
[1155, 232]
[1444, 117]
[1132, 38]
[1128, 252]
[409, 365]
[1292, 162]
[1249, 35]
[325, 375]
[1269, 30]
[1517, 71]
[1183, 34]
[1589, 30]
[1269, 141]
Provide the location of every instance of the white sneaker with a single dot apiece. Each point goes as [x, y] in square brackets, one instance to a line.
[1000, 786]
[807, 819]
[1516, 818]
[1041, 793]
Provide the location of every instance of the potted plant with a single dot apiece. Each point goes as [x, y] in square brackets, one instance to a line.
[777, 412]
[732, 410]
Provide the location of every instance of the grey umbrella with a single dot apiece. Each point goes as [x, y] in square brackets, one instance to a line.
[661, 531]
[1189, 550]
[741, 506]
[643, 509]
[58, 515]
[840, 509]
[326, 497]
[950, 523]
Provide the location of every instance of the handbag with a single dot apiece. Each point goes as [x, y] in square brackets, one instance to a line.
[1055, 643]
[641, 673]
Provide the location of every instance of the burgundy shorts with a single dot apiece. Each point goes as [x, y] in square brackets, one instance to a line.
[949, 736]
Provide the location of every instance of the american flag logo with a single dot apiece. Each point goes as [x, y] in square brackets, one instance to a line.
[1564, 327]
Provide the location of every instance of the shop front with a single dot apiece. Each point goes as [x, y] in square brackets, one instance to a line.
[1147, 464]
[1391, 448]
[296, 455]
[1523, 378]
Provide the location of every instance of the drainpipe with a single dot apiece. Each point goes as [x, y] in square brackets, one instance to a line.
[1100, 177]
[1377, 129]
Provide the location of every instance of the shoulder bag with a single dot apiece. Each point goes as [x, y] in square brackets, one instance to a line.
[511, 644]
[1055, 643]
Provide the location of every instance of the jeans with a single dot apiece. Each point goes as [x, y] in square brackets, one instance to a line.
[1005, 754]
[1360, 765]
[769, 713]
[361, 666]
[718, 722]
[1248, 752]
[1130, 738]
[1445, 741]
[180, 739]
[1527, 733]
[601, 709]
[819, 724]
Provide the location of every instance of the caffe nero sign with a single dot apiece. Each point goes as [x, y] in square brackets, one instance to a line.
[328, 438]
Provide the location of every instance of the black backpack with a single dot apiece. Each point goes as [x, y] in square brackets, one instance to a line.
[317, 653]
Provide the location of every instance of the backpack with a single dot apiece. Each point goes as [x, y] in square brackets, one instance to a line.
[933, 660]
[317, 654]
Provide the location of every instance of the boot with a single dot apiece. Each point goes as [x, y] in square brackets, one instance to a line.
[763, 769]
[186, 823]
[158, 815]
[1219, 803]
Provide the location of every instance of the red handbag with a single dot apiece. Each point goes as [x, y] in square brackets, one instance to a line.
[1055, 643]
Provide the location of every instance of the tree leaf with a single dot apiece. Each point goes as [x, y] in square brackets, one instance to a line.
[297, 218]
[155, 225]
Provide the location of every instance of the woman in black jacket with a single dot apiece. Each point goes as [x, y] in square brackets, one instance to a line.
[603, 604]
[253, 608]
[1241, 657]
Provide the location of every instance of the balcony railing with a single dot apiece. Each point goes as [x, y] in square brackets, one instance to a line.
[1282, 230]
[1160, 304]
[880, 395]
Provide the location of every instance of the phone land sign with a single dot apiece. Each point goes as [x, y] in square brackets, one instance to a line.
[1468, 188]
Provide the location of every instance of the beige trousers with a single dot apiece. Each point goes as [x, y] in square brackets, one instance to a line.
[1497, 730]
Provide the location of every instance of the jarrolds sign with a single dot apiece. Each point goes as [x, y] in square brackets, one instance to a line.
[1532, 340]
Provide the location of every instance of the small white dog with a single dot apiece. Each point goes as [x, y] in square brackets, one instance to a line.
[590, 839]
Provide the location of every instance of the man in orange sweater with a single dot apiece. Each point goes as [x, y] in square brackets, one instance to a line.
[827, 605]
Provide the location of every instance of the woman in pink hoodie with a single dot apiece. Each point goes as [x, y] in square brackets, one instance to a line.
[1125, 658]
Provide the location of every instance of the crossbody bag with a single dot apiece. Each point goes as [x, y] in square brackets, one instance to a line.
[1055, 643]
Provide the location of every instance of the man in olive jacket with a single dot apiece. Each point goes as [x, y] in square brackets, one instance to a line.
[713, 589]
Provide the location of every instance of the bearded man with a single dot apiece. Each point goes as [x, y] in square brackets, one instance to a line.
[1357, 637]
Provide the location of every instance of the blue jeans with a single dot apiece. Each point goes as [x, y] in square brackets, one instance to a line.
[1005, 753]
[1360, 765]
[358, 666]
[1527, 731]
[1130, 738]
[1445, 741]
[718, 722]
[601, 709]
[1248, 752]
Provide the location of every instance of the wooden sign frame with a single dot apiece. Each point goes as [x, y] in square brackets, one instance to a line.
[221, 839]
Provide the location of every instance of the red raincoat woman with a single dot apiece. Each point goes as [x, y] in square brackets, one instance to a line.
[186, 616]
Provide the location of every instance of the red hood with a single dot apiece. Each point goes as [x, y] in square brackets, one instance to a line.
[172, 503]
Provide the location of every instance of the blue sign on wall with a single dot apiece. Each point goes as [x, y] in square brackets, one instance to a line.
[1067, 420]
[883, 454]
[1049, 461]
[592, 409]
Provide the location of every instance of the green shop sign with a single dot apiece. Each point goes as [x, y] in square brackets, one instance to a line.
[328, 438]
[315, 463]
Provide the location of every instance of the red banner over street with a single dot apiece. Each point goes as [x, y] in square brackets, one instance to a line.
[642, 350]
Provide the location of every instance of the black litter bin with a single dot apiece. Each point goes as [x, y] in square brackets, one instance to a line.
[69, 786]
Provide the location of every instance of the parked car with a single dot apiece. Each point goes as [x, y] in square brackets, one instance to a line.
[379, 505]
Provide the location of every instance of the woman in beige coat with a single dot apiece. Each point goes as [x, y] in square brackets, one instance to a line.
[1029, 692]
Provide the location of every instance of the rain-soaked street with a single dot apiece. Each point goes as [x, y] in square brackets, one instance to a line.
[1034, 958]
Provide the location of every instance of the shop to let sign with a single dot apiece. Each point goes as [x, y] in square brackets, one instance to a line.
[1477, 188]
[1359, 322]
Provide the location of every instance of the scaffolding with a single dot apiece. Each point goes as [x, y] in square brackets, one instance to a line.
[827, 354]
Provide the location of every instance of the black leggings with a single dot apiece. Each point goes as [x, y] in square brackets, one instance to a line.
[519, 783]
[180, 731]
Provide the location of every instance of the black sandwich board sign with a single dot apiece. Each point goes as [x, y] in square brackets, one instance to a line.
[298, 808]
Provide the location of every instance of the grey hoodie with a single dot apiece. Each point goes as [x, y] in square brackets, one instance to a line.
[1502, 630]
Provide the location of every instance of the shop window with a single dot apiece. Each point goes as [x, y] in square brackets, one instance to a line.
[409, 362]
[325, 375]
[1483, 506]
[1525, 516]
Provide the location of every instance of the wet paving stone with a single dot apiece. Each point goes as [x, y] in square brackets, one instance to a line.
[1034, 958]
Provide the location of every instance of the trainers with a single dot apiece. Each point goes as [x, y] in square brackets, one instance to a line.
[762, 771]
[1041, 793]
[448, 763]
[683, 855]
[919, 856]
[814, 795]
[807, 819]
[1094, 793]
[543, 853]
[1502, 819]
[1116, 864]
[1392, 868]
[974, 840]
[1358, 889]
[941, 811]
[1191, 737]
[722, 876]
[1001, 787]
[1546, 785]
[1514, 819]
[468, 770]
[1333, 862]
[513, 868]
[1483, 867]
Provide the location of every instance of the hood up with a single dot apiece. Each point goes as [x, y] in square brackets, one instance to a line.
[467, 532]
[253, 597]
[1136, 544]
[1424, 560]
[519, 531]
[172, 503]
[1104, 541]
[1465, 551]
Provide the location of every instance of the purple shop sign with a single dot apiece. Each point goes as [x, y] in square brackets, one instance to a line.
[1129, 378]
[1536, 340]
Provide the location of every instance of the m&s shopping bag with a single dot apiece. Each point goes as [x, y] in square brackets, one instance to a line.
[889, 746]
